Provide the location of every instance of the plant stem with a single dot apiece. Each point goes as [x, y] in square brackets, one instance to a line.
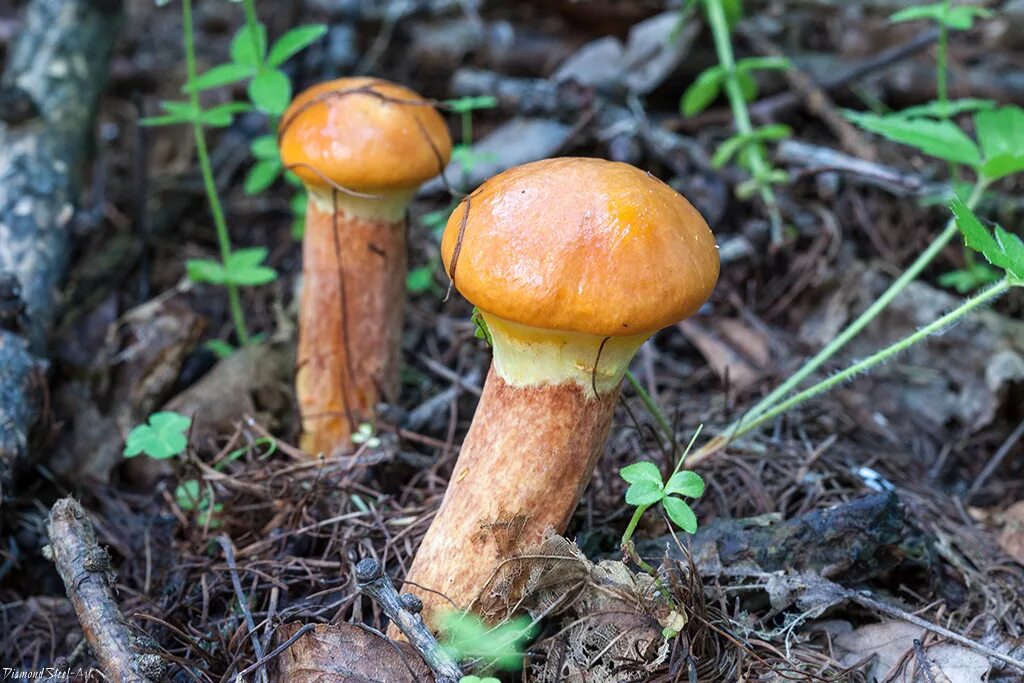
[741, 117]
[209, 183]
[253, 26]
[627, 535]
[881, 356]
[854, 328]
[652, 408]
[941, 61]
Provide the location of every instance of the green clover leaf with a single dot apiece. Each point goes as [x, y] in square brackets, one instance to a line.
[161, 438]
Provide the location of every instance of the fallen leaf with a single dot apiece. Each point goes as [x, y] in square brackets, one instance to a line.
[1011, 538]
[342, 653]
[891, 643]
[736, 352]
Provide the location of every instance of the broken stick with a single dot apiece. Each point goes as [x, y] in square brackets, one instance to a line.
[88, 578]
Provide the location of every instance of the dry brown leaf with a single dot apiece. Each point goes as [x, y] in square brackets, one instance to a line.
[343, 653]
[892, 643]
[734, 350]
[1011, 539]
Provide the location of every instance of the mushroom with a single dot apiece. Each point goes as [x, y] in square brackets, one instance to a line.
[573, 263]
[362, 147]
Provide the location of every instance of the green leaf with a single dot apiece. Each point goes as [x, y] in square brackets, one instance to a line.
[220, 75]
[188, 494]
[1001, 135]
[465, 637]
[270, 91]
[420, 279]
[970, 279]
[245, 267]
[748, 85]
[293, 42]
[763, 64]
[1013, 247]
[161, 438]
[481, 331]
[641, 471]
[728, 149]
[463, 105]
[644, 493]
[939, 110]
[958, 18]
[265, 148]
[685, 483]
[940, 139]
[177, 112]
[244, 49]
[703, 91]
[681, 514]
[261, 176]
[205, 270]
[222, 115]
[1004, 250]
[220, 348]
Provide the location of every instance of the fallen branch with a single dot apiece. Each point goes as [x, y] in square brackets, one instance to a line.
[55, 73]
[88, 578]
[404, 612]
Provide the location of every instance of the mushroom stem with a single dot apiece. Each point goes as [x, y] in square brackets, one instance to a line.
[539, 428]
[353, 292]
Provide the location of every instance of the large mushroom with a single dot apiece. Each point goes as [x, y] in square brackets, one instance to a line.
[573, 264]
[362, 147]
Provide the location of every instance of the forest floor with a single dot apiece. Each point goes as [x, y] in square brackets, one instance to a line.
[844, 542]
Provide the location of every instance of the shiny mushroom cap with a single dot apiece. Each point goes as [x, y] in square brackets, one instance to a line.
[582, 245]
[364, 134]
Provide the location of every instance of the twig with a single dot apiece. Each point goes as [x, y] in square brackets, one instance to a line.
[404, 611]
[243, 603]
[277, 650]
[88, 578]
[996, 460]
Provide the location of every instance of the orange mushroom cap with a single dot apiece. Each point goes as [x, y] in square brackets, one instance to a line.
[364, 134]
[583, 245]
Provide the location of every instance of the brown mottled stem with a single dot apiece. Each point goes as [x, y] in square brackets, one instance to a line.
[354, 264]
[526, 460]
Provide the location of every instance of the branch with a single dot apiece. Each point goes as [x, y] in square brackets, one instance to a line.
[404, 612]
[88, 578]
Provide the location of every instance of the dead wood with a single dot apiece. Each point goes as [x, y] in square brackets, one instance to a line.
[56, 70]
[89, 579]
[850, 543]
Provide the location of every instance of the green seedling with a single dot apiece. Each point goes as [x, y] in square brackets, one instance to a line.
[269, 90]
[162, 437]
[647, 489]
[735, 78]
[500, 647]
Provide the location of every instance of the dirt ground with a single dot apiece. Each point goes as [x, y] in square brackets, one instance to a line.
[847, 541]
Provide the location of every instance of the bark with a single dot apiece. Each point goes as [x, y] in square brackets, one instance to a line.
[350, 323]
[50, 89]
[526, 460]
[89, 579]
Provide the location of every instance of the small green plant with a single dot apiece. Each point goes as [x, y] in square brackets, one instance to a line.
[736, 79]
[421, 279]
[477, 679]
[162, 436]
[1002, 249]
[365, 435]
[947, 17]
[647, 488]
[996, 153]
[191, 498]
[500, 647]
[258, 64]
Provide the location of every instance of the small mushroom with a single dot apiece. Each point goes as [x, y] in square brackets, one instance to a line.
[573, 264]
[362, 147]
